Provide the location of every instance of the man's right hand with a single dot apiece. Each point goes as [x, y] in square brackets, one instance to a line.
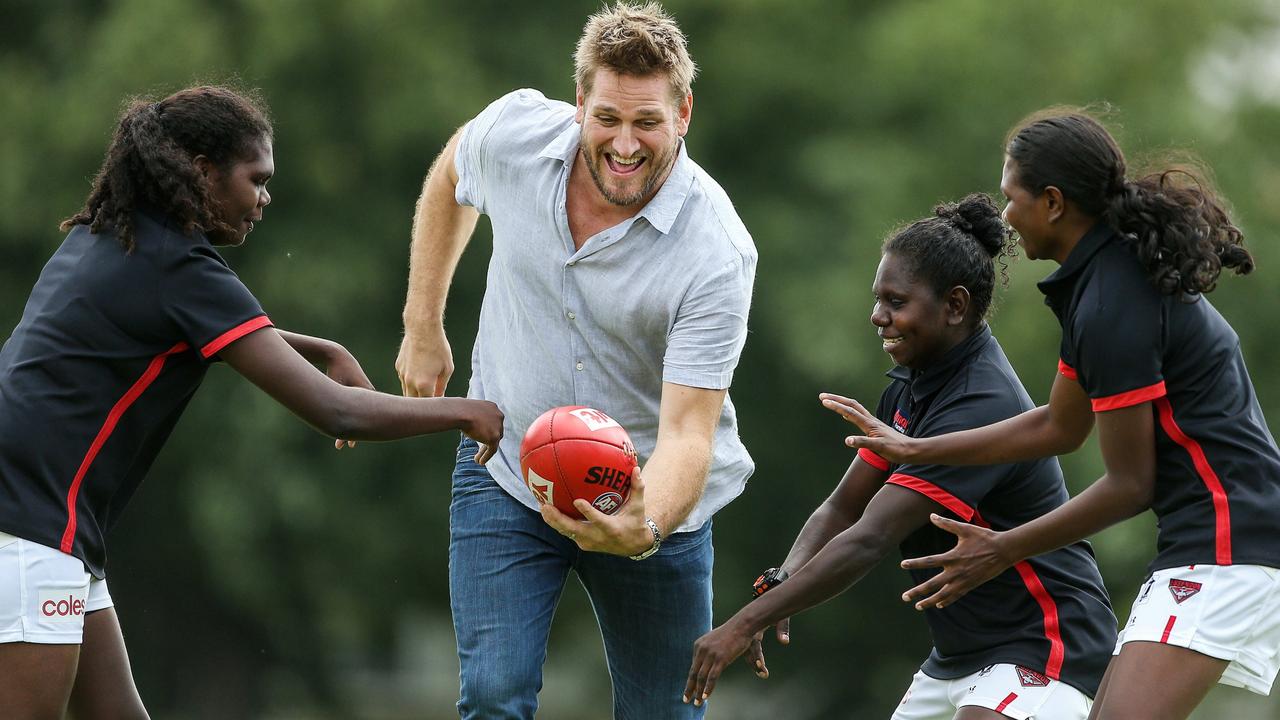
[425, 363]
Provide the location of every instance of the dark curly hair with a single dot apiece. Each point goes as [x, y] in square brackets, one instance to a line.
[1173, 219]
[959, 245]
[149, 161]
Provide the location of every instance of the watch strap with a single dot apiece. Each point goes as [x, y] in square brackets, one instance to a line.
[657, 540]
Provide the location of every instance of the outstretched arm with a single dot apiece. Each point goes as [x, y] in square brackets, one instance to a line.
[354, 413]
[441, 229]
[1058, 428]
[337, 362]
[1127, 437]
[334, 359]
[891, 515]
[836, 514]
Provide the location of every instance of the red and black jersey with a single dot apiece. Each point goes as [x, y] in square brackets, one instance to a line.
[110, 348]
[1218, 468]
[1050, 614]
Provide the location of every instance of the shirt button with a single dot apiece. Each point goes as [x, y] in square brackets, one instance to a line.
[572, 263]
[579, 366]
[571, 315]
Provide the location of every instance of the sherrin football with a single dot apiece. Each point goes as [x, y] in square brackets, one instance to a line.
[578, 452]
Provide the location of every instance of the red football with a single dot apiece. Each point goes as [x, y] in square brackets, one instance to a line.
[578, 452]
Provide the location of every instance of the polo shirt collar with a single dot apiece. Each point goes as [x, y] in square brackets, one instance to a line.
[165, 220]
[924, 383]
[1099, 235]
[662, 210]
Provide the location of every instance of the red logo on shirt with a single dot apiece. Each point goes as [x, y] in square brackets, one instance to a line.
[1030, 678]
[899, 422]
[1183, 589]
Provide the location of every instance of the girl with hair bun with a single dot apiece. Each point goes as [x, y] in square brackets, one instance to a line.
[1036, 639]
[119, 330]
[1148, 358]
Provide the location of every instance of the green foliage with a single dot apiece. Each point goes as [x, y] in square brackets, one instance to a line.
[261, 574]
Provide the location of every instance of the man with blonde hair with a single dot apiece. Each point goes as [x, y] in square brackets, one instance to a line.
[620, 279]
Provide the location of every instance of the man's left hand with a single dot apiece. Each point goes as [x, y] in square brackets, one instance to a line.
[625, 533]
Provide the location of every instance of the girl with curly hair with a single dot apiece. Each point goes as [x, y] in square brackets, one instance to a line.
[119, 330]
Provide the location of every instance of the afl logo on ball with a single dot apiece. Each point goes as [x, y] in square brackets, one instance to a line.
[594, 419]
[608, 503]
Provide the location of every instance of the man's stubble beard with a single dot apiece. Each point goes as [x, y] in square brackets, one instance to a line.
[594, 159]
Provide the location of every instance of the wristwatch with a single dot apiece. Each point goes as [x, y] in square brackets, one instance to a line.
[768, 580]
[657, 540]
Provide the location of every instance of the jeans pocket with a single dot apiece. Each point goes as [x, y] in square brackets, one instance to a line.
[467, 449]
[470, 477]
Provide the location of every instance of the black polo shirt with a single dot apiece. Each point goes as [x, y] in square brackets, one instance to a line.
[1051, 614]
[1218, 468]
[110, 348]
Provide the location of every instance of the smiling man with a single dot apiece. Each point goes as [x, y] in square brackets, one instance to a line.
[620, 279]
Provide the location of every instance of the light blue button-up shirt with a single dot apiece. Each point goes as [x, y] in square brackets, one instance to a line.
[661, 297]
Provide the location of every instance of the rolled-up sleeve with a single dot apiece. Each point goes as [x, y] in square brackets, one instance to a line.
[710, 329]
[471, 158]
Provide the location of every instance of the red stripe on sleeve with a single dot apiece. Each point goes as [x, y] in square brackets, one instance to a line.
[1168, 628]
[873, 459]
[113, 417]
[1130, 398]
[1066, 370]
[234, 334]
[934, 493]
[1221, 509]
[1007, 700]
[1052, 628]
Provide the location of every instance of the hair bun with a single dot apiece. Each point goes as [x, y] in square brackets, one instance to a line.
[978, 217]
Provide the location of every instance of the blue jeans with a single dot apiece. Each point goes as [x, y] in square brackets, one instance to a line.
[507, 569]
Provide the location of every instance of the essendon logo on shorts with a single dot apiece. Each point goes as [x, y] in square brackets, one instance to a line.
[1183, 589]
[900, 421]
[1030, 678]
[58, 605]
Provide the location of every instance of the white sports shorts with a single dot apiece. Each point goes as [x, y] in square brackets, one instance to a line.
[45, 594]
[1010, 690]
[1229, 612]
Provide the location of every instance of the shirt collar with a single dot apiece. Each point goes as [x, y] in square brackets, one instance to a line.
[1088, 246]
[924, 383]
[662, 210]
[563, 146]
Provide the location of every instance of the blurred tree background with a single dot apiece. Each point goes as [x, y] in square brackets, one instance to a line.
[262, 575]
